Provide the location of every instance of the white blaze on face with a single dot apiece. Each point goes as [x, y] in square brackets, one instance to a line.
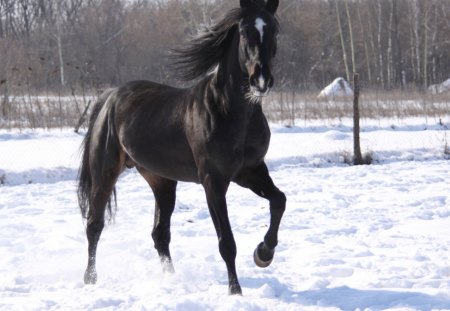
[259, 25]
[261, 81]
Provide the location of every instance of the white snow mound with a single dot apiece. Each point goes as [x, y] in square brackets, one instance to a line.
[338, 88]
[444, 87]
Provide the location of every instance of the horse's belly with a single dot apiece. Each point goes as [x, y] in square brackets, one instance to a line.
[173, 172]
[165, 159]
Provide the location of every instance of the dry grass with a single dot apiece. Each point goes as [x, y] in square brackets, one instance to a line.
[42, 111]
[289, 107]
[282, 107]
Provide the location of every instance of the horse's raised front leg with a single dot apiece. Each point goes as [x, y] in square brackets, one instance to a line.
[164, 191]
[216, 188]
[259, 181]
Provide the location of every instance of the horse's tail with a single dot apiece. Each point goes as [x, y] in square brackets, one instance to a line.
[84, 189]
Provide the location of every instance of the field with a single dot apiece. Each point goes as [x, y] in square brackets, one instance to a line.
[353, 237]
[287, 108]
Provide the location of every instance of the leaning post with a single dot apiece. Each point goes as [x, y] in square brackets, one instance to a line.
[357, 160]
[82, 117]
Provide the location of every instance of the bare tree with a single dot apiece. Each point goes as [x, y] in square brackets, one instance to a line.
[417, 22]
[341, 35]
[364, 40]
[379, 38]
[80, 43]
[59, 40]
[350, 30]
[397, 58]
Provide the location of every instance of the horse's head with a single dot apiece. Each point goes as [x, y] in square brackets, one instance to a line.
[258, 30]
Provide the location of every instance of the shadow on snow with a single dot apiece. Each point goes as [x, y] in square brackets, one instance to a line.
[346, 298]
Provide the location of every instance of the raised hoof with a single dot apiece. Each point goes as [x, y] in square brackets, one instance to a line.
[263, 256]
[90, 277]
[235, 289]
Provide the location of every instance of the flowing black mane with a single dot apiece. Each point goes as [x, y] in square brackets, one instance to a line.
[206, 50]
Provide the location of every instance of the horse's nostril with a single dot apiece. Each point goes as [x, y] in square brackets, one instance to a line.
[270, 83]
[261, 84]
[253, 81]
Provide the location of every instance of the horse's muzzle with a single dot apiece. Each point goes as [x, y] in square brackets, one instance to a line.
[260, 86]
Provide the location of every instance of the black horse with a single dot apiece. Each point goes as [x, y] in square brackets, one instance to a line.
[213, 133]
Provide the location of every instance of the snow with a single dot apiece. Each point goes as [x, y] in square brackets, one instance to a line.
[338, 88]
[353, 237]
[440, 88]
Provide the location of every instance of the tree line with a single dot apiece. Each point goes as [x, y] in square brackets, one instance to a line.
[56, 46]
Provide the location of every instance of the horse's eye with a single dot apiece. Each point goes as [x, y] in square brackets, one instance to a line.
[243, 30]
[243, 36]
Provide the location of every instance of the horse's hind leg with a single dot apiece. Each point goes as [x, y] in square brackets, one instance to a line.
[259, 181]
[164, 191]
[103, 182]
[95, 224]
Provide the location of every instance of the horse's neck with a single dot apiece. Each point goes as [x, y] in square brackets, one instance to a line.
[231, 85]
[228, 93]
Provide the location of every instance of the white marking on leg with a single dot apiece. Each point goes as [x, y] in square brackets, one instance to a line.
[259, 25]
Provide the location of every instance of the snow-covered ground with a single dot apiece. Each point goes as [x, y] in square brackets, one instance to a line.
[353, 238]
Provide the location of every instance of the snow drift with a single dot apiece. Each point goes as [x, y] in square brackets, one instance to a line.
[444, 87]
[338, 88]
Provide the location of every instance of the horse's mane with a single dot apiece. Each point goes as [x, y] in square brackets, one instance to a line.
[207, 49]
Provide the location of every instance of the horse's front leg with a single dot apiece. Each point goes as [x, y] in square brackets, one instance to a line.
[216, 188]
[258, 180]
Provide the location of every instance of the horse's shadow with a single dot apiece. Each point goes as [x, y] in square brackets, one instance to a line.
[346, 298]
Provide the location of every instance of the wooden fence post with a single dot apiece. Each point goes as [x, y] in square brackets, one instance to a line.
[358, 159]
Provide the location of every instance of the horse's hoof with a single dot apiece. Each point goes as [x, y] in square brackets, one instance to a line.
[167, 265]
[235, 289]
[168, 268]
[263, 256]
[90, 277]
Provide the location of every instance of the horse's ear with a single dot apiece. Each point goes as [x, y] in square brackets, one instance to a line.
[247, 3]
[272, 5]
[250, 3]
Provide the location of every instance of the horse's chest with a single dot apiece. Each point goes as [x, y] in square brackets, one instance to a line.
[231, 153]
[229, 144]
